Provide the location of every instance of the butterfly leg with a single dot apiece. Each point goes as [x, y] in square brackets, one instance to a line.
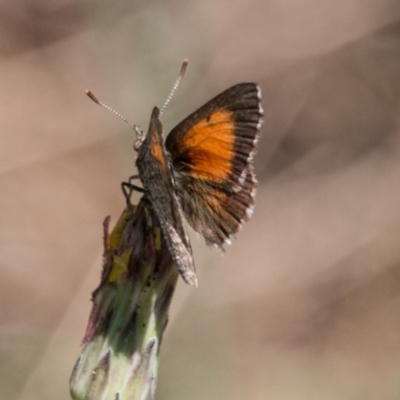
[129, 187]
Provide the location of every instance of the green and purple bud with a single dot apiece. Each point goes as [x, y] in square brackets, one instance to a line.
[119, 359]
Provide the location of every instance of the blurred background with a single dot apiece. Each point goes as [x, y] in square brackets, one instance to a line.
[306, 303]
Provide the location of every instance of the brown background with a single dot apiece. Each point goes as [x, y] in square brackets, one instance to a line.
[306, 303]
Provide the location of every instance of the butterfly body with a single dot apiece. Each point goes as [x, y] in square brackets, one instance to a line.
[204, 171]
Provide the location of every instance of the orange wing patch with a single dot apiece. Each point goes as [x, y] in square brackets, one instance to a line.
[209, 146]
[157, 152]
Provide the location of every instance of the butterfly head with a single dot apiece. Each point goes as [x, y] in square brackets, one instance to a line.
[140, 137]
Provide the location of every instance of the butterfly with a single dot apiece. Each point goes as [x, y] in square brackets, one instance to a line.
[204, 171]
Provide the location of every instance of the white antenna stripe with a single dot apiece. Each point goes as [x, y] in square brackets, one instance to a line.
[178, 81]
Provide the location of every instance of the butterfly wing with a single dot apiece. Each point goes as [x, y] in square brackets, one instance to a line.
[211, 152]
[155, 175]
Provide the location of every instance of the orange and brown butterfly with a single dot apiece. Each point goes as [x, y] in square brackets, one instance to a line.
[204, 171]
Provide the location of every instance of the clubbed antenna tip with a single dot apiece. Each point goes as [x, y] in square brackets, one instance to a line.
[92, 96]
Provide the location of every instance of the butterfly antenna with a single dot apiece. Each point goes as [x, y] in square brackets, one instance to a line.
[136, 128]
[178, 81]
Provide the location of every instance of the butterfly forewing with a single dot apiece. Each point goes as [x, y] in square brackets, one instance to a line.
[155, 175]
[211, 152]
